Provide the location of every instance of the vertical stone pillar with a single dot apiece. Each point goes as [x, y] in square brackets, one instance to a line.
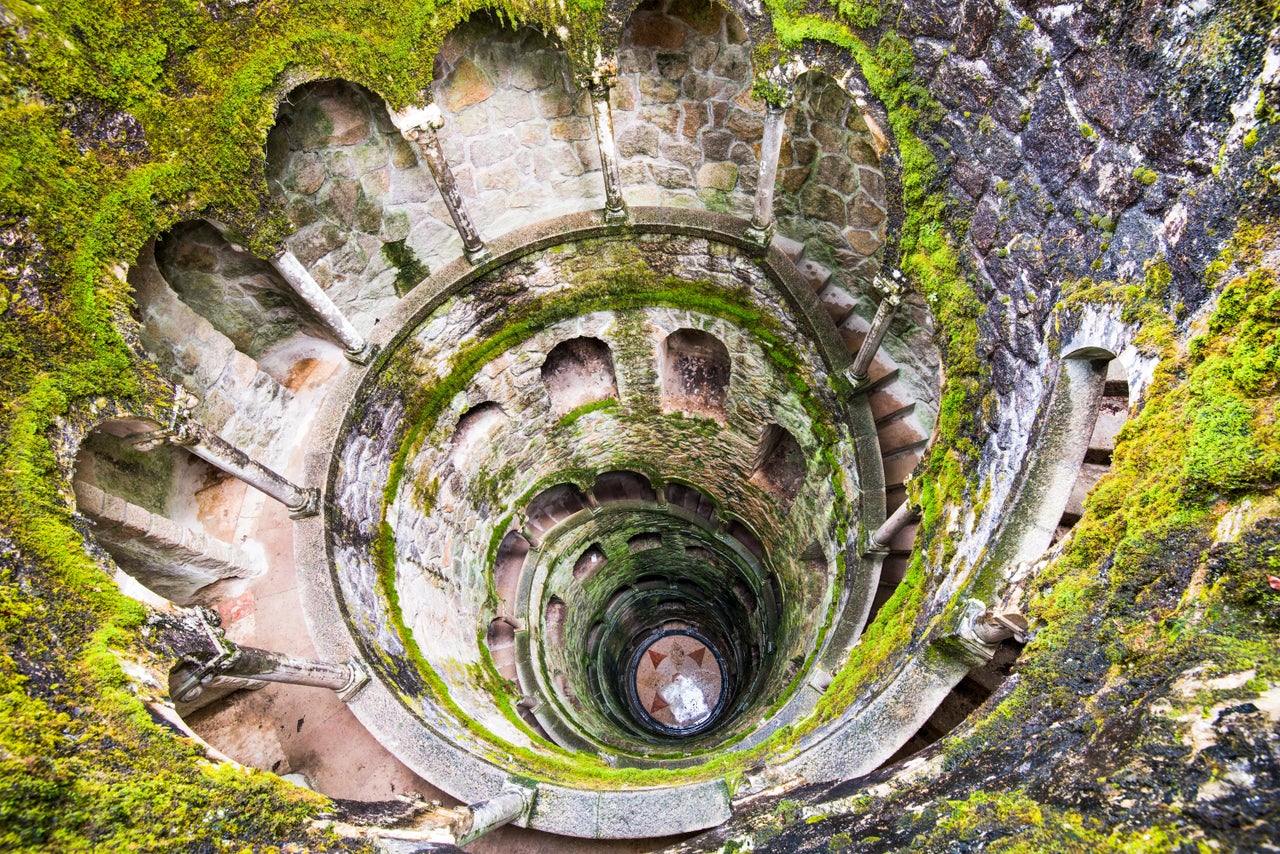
[762, 222]
[218, 452]
[891, 287]
[421, 127]
[287, 264]
[615, 210]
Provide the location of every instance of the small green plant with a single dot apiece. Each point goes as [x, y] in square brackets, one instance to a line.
[1145, 175]
[1087, 131]
[1250, 139]
[1026, 24]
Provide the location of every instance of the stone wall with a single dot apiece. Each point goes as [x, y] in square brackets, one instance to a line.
[688, 130]
[369, 221]
[517, 130]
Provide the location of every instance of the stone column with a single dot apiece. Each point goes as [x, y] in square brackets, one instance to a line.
[287, 265]
[615, 210]
[260, 665]
[901, 517]
[503, 808]
[221, 454]
[993, 626]
[981, 628]
[891, 287]
[762, 222]
[421, 127]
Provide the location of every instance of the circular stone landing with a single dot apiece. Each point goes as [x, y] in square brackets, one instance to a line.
[679, 683]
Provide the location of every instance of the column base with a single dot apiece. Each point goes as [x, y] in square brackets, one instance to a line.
[308, 508]
[476, 257]
[363, 355]
[359, 678]
[858, 384]
[759, 237]
[870, 546]
[616, 217]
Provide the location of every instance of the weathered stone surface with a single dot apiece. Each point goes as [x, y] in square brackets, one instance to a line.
[656, 31]
[718, 176]
[465, 86]
[818, 202]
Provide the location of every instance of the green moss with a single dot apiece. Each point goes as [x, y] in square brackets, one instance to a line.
[409, 270]
[1145, 175]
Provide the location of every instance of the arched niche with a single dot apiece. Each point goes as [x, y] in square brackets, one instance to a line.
[780, 465]
[831, 189]
[577, 372]
[612, 486]
[366, 215]
[517, 127]
[552, 506]
[556, 616]
[507, 566]
[695, 374]
[690, 498]
[500, 637]
[687, 126]
[476, 426]
[157, 513]
[240, 295]
[591, 559]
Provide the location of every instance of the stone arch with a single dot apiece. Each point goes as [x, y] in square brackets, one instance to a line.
[690, 498]
[368, 223]
[831, 190]
[687, 124]
[780, 465]
[746, 538]
[614, 486]
[239, 294]
[507, 566]
[577, 372]
[517, 126]
[500, 637]
[552, 506]
[144, 510]
[591, 559]
[695, 374]
[643, 542]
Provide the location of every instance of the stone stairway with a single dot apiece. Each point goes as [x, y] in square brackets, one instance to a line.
[1113, 412]
[902, 436]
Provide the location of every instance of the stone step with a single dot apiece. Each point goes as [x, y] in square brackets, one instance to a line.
[1090, 474]
[905, 539]
[889, 417]
[837, 301]
[815, 275]
[894, 570]
[901, 463]
[793, 249]
[894, 495]
[1117, 382]
[1112, 414]
[888, 400]
[899, 433]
